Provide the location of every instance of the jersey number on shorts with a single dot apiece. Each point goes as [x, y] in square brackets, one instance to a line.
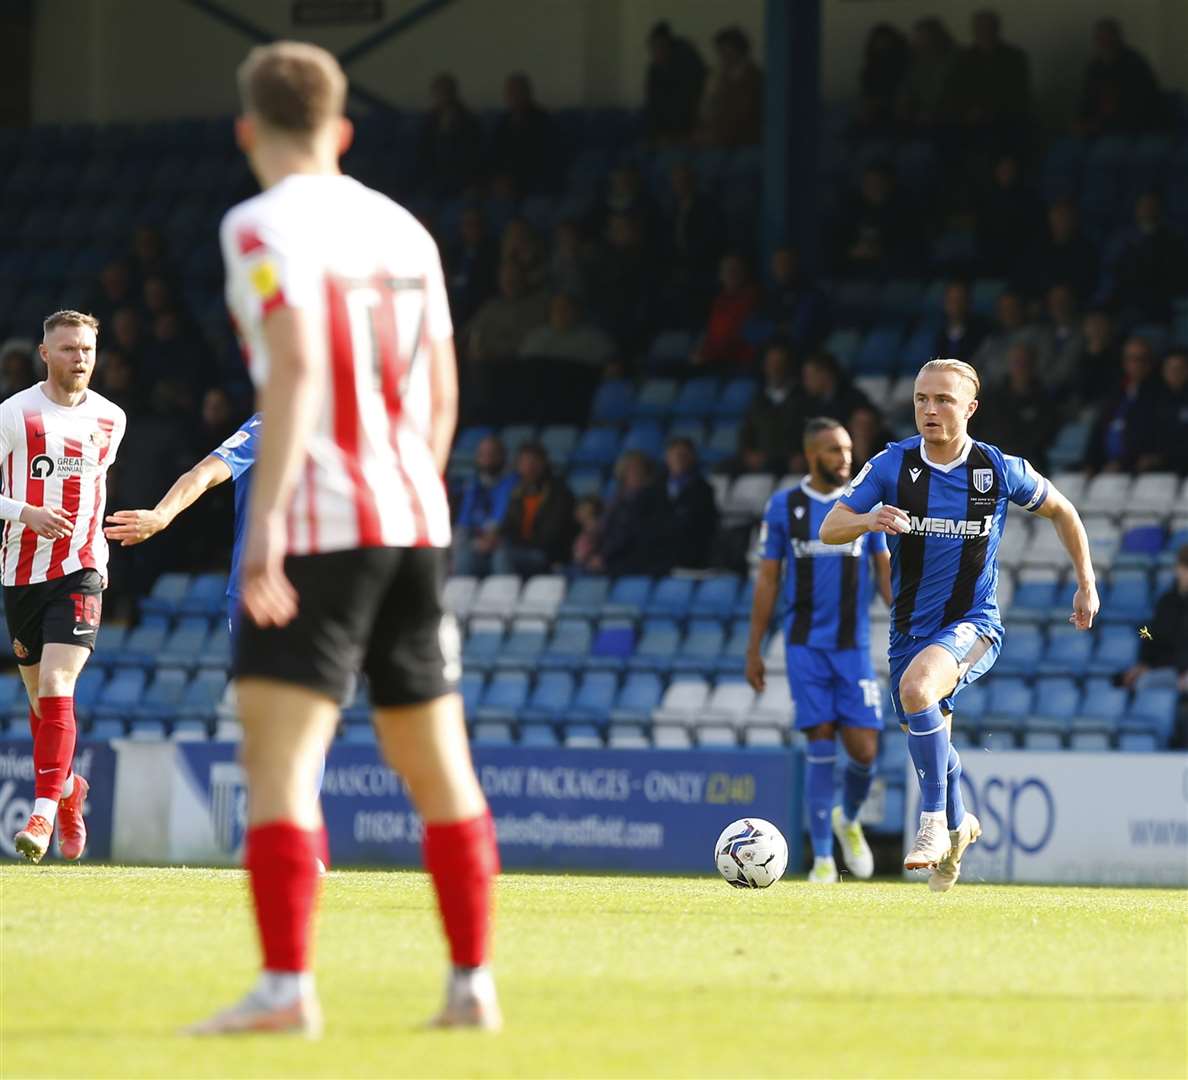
[387, 322]
[871, 697]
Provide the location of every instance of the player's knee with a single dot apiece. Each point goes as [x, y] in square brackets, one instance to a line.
[821, 731]
[916, 693]
[56, 683]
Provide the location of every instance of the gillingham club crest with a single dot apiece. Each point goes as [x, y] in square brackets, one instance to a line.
[983, 480]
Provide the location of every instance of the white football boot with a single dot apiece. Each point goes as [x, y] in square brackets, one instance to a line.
[855, 850]
[824, 871]
[471, 1002]
[931, 845]
[948, 870]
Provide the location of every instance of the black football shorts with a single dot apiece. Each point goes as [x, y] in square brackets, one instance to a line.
[375, 610]
[62, 611]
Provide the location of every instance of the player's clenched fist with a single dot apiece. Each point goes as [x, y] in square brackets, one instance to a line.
[889, 519]
[47, 521]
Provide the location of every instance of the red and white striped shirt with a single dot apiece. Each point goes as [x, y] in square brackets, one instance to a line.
[52, 455]
[367, 277]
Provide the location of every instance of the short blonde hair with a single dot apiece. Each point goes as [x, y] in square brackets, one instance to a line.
[958, 367]
[69, 318]
[293, 86]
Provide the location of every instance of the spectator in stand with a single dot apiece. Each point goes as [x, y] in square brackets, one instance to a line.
[1018, 413]
[884, 64]
[797, 307]
[1010, 215]
[172, 353]
[673, 87]
[17, 371]
[723, 341]
[499, 327]
[127, 335]
[565, 337]
[773, 428]
[695, 231]
[1063, 253]
[991, 91]
[115, 378]
[450, 145]
[1121, 95]
[157, 297]
[627, 195]
[962, 333]
[218, 417]
[150, 256]
[1146, 267]
[569, 262]
[1167, 645]
[471, 263]
[588, 515]
[1060, 343]
[537, 530]
[485, 499]
[525, 143]
[520, 245]
[622, 283]
[923, 101]
[1171, 438]
[637, 529]
[1011, 328]
[869, 433]
[877, 231]
[1099, 358]
[732, 114]
[826, 391]
[115, 291]
[692, 511]
[1124, 433]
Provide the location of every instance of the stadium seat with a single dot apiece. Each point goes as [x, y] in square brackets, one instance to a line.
[747, 496]
[585, 597]
[1128, 598]
[657, 647]
[216, 652]
[107, 728]
[142, 646]
[515, 435]
[735, 398]
[594, 698]
[183, 646]
[550, 699]
[458, 596]
[672, 597]
[655, 398]
[733, 658]
[493, 734]
[774, 706]
[86, 691]
[1116, 650]
[523, 644]
[542, 596]
[504, 696]
[614, 402]
[702, 647]
[1089, 741]
[638, 698]
[583, 737]
[627, 737]
[189, 731]
[118, 698]
[763, 736]
[207, 595]
[671, 737]
[166, 595]
[1138, 742]
[696, 397]
[1009, 698]
[716, 735]
[731, 701]
[971, 704]
[683, 701]
[613, 644]
[559, 441]
[568, 647]
[1057, 698]
[1019, 650]
[109, 646]
[1042, 740]
[201, 698]
[161, 699]
[671, 348]
[1155, 706]
[1067, 652]
[1102, 704]
[715, 596]
[644, 436]
[482, 644]
[628, 597]
[1106, 493]
[538, 735]
[596, 446]
[471, 688]
[721, 444]
[496, 595]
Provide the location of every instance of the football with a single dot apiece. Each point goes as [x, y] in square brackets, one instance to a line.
[751, 854]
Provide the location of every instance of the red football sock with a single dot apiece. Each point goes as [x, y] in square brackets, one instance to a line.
[280, 858]
[34, 723]
[462, 858]
[53, 746]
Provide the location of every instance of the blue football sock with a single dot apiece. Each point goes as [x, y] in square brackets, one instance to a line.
[855, 788]
[928, 744]
[818, 786]
[954, 804]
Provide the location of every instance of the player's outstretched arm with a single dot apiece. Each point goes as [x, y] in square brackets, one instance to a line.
[1071, 531]
[767, 587]
[129, 527]
[842, 525]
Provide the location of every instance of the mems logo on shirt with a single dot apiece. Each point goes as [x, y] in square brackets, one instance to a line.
[938, 526]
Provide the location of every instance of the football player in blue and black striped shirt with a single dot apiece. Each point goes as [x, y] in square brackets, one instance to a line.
[941, 498]
[827, 634]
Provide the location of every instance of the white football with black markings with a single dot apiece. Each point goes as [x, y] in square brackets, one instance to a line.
[751, 854]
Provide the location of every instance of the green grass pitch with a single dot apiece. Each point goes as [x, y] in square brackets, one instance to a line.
[605, 976]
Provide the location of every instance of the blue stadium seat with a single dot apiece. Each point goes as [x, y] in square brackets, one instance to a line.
[86, 691]
[166, 595]
[515, 435]
[550, 699]
[539, 735]
[672, 597]
[638, 697]
[702, 647]
[569, 646]
[185, 643]
[656, 647]
[207, 595]
[689, 428]
[216, 653]
[141, 647]
[594, 698]
[1089, 741]
[1042, 739]
[646, 436]
[585, 598]
[879, 352]
[504, 696]
[1143, 540]
[467, 440]
[721, 444]
[1057, 698]
[108, 728]
[161, 700]
[585, 481]
[1116, 650]
[970, 705]
[1154, 706]
[1102, 704]
[202, 696]
[628, 596]
[118, 698]
[482, 646]
[583, 737]
[744, 599]
[1127, 599]
[1009, 698]
[1138, 742]
[655, 398]
[493, 734]
[189, 731]
[596, 446]
[733, 658]
[670, 348]
[1067, 652]
[715, 596]
[523, 646]
[735, 398]
[1020, 649]
[471, 687]
[559, 441]
[1033, 600]
[696, 398]
[614, 642]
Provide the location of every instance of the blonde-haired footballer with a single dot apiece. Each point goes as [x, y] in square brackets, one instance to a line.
[941, 498]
